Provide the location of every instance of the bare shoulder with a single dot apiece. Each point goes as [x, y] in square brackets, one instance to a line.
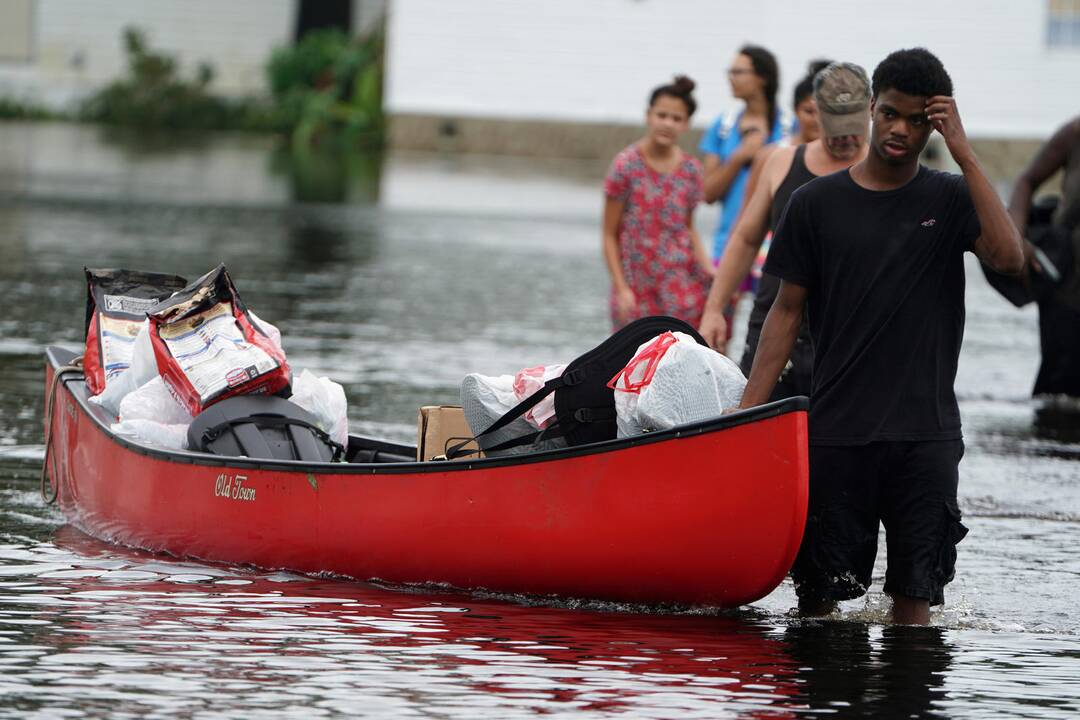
[777, 166]
[1073, 129]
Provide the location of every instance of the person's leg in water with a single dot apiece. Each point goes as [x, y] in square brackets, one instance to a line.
[910, 611]
[836, 558]
[816, 607]
[922, 525]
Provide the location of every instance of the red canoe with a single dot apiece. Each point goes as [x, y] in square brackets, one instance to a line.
[710, 513]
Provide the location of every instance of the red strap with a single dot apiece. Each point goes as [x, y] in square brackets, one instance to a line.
[640, 370]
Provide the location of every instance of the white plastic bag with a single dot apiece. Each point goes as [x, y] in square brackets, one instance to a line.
[143, 369]
[150, 432]
[527, 382]
[672, 380]
[325, 399]
[154, 401]
[486, 398]
[492, 394]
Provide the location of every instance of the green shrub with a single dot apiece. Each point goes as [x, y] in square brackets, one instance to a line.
[153, 94]
[328, 88]
[12, 109]
[325, 91]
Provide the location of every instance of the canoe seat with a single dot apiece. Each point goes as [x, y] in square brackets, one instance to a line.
[261, 426]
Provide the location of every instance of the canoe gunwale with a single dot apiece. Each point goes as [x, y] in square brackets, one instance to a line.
[57, 357]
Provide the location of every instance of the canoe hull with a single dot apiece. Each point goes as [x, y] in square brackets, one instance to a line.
[702, 518]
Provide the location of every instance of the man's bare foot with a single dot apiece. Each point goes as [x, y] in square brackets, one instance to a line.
[910, 611]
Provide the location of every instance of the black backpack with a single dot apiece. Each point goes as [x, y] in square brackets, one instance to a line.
[261, 426]
[584, 404]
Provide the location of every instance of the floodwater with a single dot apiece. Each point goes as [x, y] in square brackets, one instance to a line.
[397, 276]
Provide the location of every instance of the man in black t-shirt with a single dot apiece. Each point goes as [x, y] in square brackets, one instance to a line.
[874, 255]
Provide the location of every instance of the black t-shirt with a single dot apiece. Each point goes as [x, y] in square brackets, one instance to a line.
[884, 274]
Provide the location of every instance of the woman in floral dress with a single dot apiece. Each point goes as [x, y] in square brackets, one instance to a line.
[657, 263]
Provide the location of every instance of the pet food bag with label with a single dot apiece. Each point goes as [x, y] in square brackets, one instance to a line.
[116, 305]
[209, 348]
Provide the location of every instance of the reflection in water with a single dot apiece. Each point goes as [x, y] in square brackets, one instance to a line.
[125, 629]
[138, 144]
[313, 246]
[900, 675]
[329, 174]
[101, 629]
[1058, 420]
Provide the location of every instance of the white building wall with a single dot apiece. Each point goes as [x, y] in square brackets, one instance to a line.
[596, 60]
[77, 44]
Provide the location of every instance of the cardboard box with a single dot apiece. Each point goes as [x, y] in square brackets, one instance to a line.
[435, 424]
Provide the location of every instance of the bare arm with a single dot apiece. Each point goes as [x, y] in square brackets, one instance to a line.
[624, 296]
[999, 245]
[719, 175]
[613, 210]
[739, 253]
[1050, 158]
[698, 248]
[774, 348]
[757, 170]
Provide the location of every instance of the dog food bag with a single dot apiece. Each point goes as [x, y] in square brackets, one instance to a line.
[116, 304]
[209, 348]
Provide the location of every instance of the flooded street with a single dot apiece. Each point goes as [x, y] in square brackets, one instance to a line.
[396, 277]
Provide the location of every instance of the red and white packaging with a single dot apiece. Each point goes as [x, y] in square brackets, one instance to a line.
[116, 304]
[209, 348]
[527, 382]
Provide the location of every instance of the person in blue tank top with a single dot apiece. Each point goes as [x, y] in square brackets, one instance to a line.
[729, 145]
[732, 140]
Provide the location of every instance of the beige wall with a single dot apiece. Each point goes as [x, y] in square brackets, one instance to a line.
[16, 30]
[1003, 159]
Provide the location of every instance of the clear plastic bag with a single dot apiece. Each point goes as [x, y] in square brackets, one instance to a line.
[150, 432]
[154, 401]
[325, 399]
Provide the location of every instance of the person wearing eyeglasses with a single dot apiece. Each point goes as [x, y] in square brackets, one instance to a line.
[729, 145]
[805, 129]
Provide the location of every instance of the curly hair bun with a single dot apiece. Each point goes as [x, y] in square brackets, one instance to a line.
[683, 85]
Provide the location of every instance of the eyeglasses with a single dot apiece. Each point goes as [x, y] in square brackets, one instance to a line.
[733, 72]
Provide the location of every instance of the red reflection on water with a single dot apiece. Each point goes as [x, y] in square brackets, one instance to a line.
[747, 660]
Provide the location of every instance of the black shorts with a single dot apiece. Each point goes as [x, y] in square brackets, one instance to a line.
[910, 487]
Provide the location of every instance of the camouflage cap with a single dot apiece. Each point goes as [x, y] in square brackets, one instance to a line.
[842, 94]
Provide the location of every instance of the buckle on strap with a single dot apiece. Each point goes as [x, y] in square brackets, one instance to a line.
[573, 377]
[588, 415]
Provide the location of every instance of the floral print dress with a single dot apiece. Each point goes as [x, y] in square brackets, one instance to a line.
[657, 254]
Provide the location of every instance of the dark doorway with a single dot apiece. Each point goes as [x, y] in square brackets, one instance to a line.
[323, 14]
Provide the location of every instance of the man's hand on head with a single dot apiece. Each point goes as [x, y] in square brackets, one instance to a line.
[944, 117]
